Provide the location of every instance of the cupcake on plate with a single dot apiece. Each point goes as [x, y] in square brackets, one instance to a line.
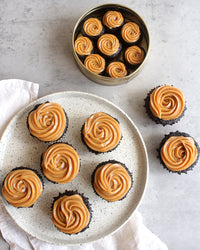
[101, 133]
[113, 20]
[71, 212]
[178, 152]
[116, 69]
[93, 28]
[47, 122]
[134, 56]
[109, 45]
[95, 63]
[22, 187]
[83, 46]
[111, 180]
[60, 163]
[165, 104]
[130, 33]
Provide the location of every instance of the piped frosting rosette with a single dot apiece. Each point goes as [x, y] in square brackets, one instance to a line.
[47, 122]
[83, 46]
[101, 132]
[113, 19]
[22, 187]
[60, 163]
[130, 32]
[108, 44]
[95, 63]
[70, 215]
[93, 27]
[112, 181]
[116, 69]
[178, 153]
[167, 102]
[134, 55]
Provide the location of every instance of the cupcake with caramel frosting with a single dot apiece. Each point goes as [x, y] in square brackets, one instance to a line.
[83, 46]
[101, 133]
[178, 152]
[47, 122]
[134, 55]
[111, 180]
[116, 69]
[130, 33]
[93, 27]
[71, 212]
[113, 20]
[109, 45]
[165, 104]
[95, 63]
[22, 187]
[60, 163]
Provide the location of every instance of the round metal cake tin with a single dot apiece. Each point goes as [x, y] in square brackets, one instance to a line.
[129, 15]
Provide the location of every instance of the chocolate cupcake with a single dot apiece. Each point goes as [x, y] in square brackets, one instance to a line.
[83, 46]
[71, 212]
[130, 33]
[22, 187]
[116, 69]
[109, 45]
[95, 63]
[60, 163]
[101, 133]
[111, 180]
[134, 56]
[165, 104]
[47, 122]
[178, 152]
[113, 20]
[93, 27]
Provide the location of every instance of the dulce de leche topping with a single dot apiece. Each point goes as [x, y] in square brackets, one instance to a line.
[116, 69]
[60, 163]
[130, 32]
[95, 63]
[167, 102]
[179, 153]
[70, 215]
[134, 55]
[101, 132]
[93, 27]
[112, 181]
[47, 122]
[22, 187]
[113, 19]
[108, 44]
[83, 46]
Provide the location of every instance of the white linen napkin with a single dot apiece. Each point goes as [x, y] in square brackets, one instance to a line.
[14, 95]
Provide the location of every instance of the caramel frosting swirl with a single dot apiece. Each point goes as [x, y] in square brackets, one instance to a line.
[112, 181]
[134, 55]
[167, 102]
[83, 46]
[101, 132]
[22, 187]
[179, 153]
[130, 32]
[113, 19]
[116, 69]
[93, 27]
[108, 44]
[47, 122]
[70, 215]
[95, 63]
[60, 163]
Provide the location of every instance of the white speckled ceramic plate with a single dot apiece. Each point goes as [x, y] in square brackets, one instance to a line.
[18, 148]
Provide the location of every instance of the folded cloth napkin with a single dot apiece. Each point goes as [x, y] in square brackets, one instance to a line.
[15, 94]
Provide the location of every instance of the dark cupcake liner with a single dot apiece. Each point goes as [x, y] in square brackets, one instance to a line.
[41, 159]
[85, 200]
[156, 119]
[166, 137]
[65, 130]
[97, 152]
[111, 161]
